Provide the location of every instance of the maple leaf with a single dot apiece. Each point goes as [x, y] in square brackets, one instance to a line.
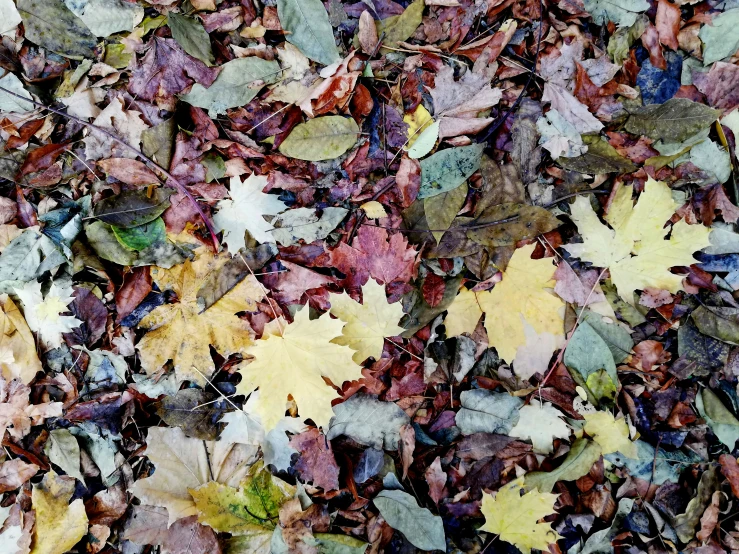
[293, 363]
[610, 433]
[368, 323]
[43, 312]
[542, 424]
[521, 298]
[18, 358]
[59, 524]
[245, 210]
[514, 517]
[181, 464]
[372, 254]
[183, 333]
[634, 248]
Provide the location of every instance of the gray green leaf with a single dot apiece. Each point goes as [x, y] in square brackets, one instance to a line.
[192, 36]
[674, 121]
[133, 208]
[50, 24]
[448, 169]
[308, 27]
[401, 512]
[487, 412]
[369, 421]
[579, 460]
[322, 138]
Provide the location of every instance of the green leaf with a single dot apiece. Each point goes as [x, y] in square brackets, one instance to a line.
[487, 412]
[401, 512]
[192, 36]
[215, 167]
[448, 169]
[441, 210]
[63, 450]
[587, 352]
[720, 39]
[328, 543]
[254, 505]
[105, 244]
[621, 41]
[322, 138]
[239, 81]
[398, 28]
[622, 12]
[617, 338]
[105, 17]
[425, 141]
[369, 421]
[158, 142]
[51, 25]
[133, 208]
[308, 28]
[304, 224]
[10, 103]
[526, 222]
[721, 421]
[651, 466]
[674, 121]
[718, 322]
[141, 236]
[600, 158]
[579, 460]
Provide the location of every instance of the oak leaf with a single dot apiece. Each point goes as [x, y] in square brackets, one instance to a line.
[521, 298]
[291, 360]
[634, 248]
[368, 323]
[183, 332]
[59, 524]
[514, 517]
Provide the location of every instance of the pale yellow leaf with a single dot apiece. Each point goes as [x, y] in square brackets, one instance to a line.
[374, 209]
[294, 363]
[610, 433]
[634, 248]
[59, 524]
[417, 122]
[43, 312]
[368, 323]
[18, 357]
[183, 332]
[541, 423]
[514, 517]
[523, 296]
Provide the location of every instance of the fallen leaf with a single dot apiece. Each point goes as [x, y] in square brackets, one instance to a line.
[401, 511]
[50, 24]
[322, 138]
[541, 423]
[59, 524]
[18, 358]
[316, 463]
[43, 312]
[368, 421]
[610, 433]
[307, 23]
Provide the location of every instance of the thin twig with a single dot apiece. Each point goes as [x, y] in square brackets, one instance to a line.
[174, 182]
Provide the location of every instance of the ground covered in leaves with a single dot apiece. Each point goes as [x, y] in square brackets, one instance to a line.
[369, 276]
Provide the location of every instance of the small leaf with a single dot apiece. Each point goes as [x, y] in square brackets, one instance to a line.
[441, 209]
[141, 236]
[322, 138]
[579, 460]
[448, 169]
[398, 28]
[63, 450]
[600, 158]
[401, 512]
[133, 208]
[308, 28]
[192, 36]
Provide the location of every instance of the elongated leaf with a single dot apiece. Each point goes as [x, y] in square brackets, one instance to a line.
[674, 121]
[600, 158]
[238, 82]
[322, 138]
[579, 460]
[621, 12]
[50, 24]
[105, 17]
[401, 511]
[526, 222]
[192, 36]
[448, 169]
[308, 27]
[133, 208]
[398, 28]
[442, 209]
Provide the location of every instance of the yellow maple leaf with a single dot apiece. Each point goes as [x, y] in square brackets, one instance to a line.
[634, 248]
[367, 324]
[610, 433]
[514, 517]
[293, 363]
[521, 297]
[59, 524]
[18, 357]
[183, 332]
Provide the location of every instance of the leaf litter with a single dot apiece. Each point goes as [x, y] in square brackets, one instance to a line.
[368, 276]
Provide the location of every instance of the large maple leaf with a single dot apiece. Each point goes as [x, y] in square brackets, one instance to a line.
[367, 324]
[292, 361]
[372, 254]
[634, 249]
[183, 332]
[521, 300]
[514, 517]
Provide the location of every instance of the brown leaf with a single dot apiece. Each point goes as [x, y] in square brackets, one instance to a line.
[709, 520]
[667, 22]
[14, 473]
[436, 479]
[712, 198]
[126, 170]
[42, 158]
[367, 33]
[720, 85]
[730, 469]
[316, 463]
[148, 525]
[407, 445]
[136, 286]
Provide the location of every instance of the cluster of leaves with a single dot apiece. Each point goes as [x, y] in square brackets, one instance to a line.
[369, 276]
